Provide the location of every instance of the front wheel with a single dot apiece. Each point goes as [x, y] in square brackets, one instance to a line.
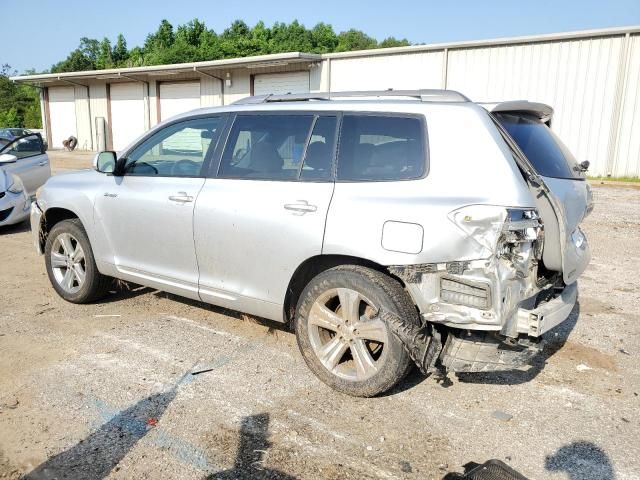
[70, 264]
[340, 333]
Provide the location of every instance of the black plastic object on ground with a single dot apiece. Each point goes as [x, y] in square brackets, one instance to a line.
[490, 470]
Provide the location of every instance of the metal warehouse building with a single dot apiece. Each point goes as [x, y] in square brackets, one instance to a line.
[591, 78]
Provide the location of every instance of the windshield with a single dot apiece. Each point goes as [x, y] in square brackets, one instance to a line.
[543, 148]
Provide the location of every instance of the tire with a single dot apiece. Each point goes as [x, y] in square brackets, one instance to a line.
[320, 334]
[65, 270]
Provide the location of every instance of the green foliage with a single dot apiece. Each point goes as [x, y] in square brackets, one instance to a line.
[355, 40]
[9, 118]
[394, 42]
[19, 104]
[194, 42]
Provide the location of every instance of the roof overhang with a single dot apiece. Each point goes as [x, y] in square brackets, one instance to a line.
[212, 67]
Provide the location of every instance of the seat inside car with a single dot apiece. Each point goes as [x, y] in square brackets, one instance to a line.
[265, 159]
[317, 158]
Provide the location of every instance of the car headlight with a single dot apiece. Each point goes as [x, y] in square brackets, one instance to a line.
[16, 188]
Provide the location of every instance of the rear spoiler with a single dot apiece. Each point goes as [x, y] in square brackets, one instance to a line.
[539, 110]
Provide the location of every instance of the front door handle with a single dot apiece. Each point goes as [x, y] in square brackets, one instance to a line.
[301, 207]
[181, 197]
[42, 164]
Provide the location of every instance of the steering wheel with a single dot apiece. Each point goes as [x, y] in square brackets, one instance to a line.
[185, 167]
[139, 167]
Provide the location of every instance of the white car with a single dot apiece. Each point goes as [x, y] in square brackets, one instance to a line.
[24, 167]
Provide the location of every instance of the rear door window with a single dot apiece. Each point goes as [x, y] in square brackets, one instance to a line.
[266, 147]
[381, 148]
[542, 147]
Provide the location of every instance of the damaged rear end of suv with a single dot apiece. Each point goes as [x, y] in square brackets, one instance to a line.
[515, 277]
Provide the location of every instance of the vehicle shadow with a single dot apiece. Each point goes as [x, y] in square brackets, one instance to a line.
[581, 460]
[21, 227]
[96, 455]
[265, 322]
[251, 454]
[121, 291]
[554, 341]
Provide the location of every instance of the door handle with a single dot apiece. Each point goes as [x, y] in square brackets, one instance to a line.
[42, 164]
[181, 197]
[301, 207]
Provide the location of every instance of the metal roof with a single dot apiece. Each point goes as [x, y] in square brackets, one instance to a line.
[547, 37]
[258, 61]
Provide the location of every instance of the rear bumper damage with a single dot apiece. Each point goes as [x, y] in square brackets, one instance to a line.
[477, 342]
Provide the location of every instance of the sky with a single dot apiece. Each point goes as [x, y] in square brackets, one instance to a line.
[50, 29]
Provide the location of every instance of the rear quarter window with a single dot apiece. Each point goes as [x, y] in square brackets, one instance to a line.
[542, 147]
[381, 148]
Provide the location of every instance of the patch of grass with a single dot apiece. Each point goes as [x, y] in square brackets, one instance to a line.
[616, 179]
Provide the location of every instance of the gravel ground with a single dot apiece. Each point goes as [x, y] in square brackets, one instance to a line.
[104, 390]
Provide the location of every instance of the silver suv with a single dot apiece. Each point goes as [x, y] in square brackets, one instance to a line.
[389, 228]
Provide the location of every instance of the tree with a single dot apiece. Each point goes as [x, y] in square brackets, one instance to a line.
[323, 38]
[9, 118]
[120, 52]
[193, 41]
[105, 55]
[32, 116]
[393, 42]
[76, 61]
[355, 40]
[19, 104]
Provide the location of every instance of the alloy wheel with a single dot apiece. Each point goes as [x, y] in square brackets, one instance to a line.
[68, 263]
[347, 335]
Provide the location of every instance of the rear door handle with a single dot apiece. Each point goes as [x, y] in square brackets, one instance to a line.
[181, 197]
[301, 207]
[42, 164]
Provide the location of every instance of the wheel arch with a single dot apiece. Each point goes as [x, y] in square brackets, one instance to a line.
[314, 266]
[50, 218]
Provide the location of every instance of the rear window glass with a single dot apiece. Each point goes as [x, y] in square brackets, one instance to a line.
[549, 156]
[379, 148]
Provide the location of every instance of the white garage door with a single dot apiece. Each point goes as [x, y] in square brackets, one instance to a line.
[127, 113]
[178, 98]
[280, 83]
[62, 110]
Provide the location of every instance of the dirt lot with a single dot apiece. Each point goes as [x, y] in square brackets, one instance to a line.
[105, 390]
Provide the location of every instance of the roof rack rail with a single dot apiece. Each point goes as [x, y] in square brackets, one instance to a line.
[424, 95]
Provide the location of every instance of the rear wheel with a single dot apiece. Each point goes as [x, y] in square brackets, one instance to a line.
[341, 335]
[70, 264]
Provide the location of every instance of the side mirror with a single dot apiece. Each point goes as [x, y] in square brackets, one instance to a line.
[584, 166]
[105, 162]
[7, 158]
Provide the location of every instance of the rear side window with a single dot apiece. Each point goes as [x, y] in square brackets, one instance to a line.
[267, 147]
[542, 147]
[379, 148]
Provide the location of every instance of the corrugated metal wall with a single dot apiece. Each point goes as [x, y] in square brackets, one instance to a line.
[577, 77]
[408, 71]
[626, 152]
[593, 83]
